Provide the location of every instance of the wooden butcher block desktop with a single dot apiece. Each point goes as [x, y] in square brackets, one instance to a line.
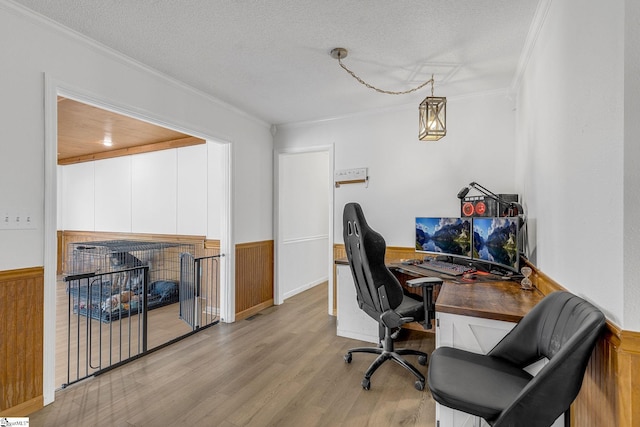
[486, 296]
[499, 300]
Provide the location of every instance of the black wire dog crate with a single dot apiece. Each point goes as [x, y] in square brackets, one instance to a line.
[116, 291]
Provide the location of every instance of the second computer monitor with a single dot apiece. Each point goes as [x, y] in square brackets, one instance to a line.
[495, 240]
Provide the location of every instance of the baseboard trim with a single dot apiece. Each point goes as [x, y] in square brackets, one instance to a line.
[25, 408]
[253, 310]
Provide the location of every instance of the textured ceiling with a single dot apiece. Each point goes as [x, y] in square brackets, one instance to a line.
[271, 58]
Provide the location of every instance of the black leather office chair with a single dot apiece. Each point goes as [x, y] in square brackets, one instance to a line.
[562, 327]
[381, 296]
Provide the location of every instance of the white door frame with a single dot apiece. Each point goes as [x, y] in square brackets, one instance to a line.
[277, 292]
[52, 89]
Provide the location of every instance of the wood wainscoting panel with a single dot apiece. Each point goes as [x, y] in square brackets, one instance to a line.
[254, 277]
[21, 334]
[393, 253]
[59, 257]
[610, 393]
[596, 404]
[66, 237]
[211, 247]
[629, 379]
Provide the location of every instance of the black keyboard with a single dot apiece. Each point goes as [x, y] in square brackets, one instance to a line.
[445, 267]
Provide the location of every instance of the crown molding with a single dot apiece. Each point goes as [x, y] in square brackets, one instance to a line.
[532, 37]
[47, 23]
[497, 92]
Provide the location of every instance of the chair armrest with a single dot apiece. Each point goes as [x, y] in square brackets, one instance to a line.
[427, 284]
[423, 282]
[392, 320]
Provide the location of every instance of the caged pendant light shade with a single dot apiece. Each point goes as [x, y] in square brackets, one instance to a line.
[433, 118]
[432, 123]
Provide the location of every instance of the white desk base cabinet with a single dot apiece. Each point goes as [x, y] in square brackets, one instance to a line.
[352, 322]
[478, 335]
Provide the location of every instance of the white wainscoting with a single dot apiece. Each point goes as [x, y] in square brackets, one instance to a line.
[307, 264]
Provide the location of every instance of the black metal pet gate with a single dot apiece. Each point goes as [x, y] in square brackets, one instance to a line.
[112, 286]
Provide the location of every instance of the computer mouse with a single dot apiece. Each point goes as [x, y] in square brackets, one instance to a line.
[470, 276]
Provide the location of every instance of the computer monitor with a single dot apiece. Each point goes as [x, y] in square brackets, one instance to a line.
[444, 236]
[495, 240]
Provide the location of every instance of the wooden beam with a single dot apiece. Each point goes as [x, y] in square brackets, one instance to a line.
[164, 145]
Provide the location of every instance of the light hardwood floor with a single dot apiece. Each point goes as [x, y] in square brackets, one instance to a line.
[119, 339]
[283, 367]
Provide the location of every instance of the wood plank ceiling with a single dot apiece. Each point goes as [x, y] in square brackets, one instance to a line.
[82, 130]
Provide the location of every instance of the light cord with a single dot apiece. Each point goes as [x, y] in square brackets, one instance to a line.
[388, 92]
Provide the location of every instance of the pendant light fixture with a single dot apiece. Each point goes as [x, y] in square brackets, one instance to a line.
[432, 124]
[432, 117]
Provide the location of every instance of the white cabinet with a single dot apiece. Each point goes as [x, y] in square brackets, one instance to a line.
[478, 335]
[352, 322]
[474, 334]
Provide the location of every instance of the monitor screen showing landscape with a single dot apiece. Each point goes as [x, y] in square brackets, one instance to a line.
[495, 240]
[445, 236]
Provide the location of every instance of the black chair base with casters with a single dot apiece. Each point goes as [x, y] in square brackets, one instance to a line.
[387, 352]
[381, 296]
[496, 387]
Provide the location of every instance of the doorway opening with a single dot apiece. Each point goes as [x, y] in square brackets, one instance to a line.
[121, 214]
[304, 221]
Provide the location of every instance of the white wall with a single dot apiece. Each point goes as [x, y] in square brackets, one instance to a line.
[111, 196]
[216, 184]
[78, 211]
[408, 177]
[154, 195]
[631, 169]
[570, 148]
[163, 192]
[192, 191]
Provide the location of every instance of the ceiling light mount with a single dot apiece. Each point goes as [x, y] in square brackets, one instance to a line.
[339, 53]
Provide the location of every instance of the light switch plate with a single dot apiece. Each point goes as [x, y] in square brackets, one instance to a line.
[4, 220]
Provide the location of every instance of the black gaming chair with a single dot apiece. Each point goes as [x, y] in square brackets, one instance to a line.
[381, 296]
[562, 327]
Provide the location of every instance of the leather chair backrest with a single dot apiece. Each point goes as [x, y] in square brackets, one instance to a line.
[563, 328]
[366, 251]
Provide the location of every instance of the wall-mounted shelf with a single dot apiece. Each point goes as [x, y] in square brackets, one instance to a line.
[351, 176]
